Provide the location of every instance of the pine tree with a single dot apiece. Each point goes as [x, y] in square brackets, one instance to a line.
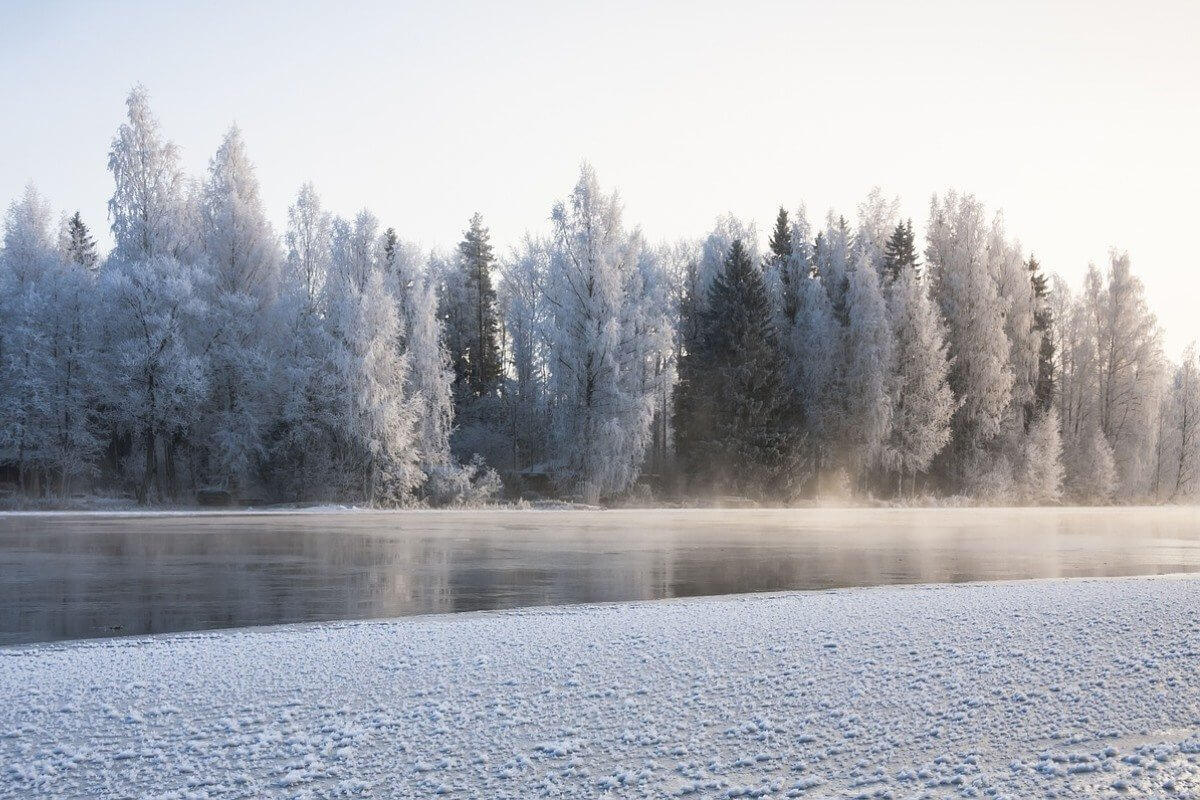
[900, 252]
[78, 246]
[476, 350]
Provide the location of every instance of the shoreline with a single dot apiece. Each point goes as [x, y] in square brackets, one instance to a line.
[201, 511]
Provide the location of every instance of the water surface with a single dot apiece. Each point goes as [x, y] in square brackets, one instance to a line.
[71, 576]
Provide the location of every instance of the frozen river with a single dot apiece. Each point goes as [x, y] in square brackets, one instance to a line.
[72, 576]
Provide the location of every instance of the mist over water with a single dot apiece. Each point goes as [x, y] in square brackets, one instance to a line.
[76, 576]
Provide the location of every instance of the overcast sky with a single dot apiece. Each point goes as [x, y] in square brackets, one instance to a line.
[1081, 120]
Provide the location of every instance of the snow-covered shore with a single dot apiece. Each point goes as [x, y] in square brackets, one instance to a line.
[1081, 688]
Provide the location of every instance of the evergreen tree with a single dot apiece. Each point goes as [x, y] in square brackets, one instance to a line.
[779, 264]
[475, 348]
[734, 388]
[1043, 323]
[781, 238]
[78, 246]
[389, 243]
[900, 252]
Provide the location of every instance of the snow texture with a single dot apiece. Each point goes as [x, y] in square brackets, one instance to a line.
[1056, 688]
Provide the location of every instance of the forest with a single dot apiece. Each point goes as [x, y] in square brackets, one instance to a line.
[843, 360]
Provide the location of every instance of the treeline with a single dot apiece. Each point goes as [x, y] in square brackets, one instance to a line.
[343, 364]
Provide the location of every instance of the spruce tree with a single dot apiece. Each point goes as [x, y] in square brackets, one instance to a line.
[1043, 323]
[477, 360]
[390, 241]
[733, 387]
[781, 238]
[781, 253]
[900, 251]
[78, 245]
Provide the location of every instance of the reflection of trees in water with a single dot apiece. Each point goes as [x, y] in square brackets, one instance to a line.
[69, 577]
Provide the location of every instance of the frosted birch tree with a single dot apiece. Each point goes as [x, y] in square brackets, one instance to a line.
[1040, 477]
[26, 261]
[147, 206]
[1129, 369]
[603, 406]
[869, 367]
[308, 243]
[429, 379]
[966, 290]
[922, 403]
[526, 312]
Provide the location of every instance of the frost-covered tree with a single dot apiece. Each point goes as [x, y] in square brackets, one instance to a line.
[599, 331]
[49, 370]
[1019, 301]
[147, 207]
[833, 255]
[1178, 451]
[158, 376]
[922, 403]
[1129, 368]
[241, 257]
[868, 369]
[876, 225]
[526, 311]
[308, 243]
[1040, 479]
[967, 293]
[356, 251]
[816, 347]
[1075, 346]
[376, 421]
[1094, 477]
[430, 378]
[26, 263]
[239, 245]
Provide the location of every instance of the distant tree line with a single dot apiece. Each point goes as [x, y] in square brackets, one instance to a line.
[340, 363]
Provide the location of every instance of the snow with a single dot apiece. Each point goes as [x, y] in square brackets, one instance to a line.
[1082, 688]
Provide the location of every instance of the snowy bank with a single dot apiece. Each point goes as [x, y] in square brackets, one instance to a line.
[1081, 688]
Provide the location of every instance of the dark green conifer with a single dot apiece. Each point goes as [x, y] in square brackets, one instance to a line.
[900, 253]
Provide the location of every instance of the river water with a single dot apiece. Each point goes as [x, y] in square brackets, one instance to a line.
[67, 576]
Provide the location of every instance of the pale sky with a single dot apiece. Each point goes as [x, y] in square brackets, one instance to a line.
[1081, 120]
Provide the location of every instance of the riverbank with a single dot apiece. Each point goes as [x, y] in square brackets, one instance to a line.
[1084, 688]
